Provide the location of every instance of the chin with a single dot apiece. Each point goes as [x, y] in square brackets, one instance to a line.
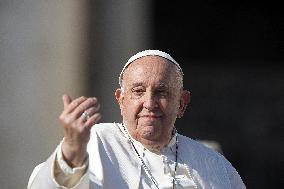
[149, 133]
[156, 123]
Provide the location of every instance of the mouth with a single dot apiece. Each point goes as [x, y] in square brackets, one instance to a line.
[150, 116]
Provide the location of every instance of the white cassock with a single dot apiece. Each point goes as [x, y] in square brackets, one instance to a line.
[114, 164]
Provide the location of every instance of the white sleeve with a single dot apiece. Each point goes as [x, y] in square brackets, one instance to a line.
[34, 173]
[54, 174]
[64, 175]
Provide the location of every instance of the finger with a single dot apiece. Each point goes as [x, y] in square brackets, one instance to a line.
[92, 110]
[84, 117]
[90, 102]
[94, 119]
[66, 100]
[74, 104]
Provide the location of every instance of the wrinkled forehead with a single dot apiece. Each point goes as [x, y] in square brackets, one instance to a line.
[151, 66]
[156, 53]
[151, 71]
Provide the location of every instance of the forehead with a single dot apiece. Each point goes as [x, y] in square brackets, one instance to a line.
[150, 69]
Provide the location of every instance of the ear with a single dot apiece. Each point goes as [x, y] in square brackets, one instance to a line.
[119, 97]
[184, 101]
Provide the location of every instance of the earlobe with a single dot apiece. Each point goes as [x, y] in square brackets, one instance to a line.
[119, 95]
[184, 101]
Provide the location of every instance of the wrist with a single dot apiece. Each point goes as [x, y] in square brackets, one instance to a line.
[74, 154]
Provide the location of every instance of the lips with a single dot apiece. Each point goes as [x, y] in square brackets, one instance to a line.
[150, 116]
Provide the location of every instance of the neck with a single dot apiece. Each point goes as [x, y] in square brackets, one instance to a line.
[154, 148]
[152, 145]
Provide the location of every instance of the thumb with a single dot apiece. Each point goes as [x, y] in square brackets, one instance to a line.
[66, 100]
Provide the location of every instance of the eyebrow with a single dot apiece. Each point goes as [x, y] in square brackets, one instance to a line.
[136, 84]
[161, 85]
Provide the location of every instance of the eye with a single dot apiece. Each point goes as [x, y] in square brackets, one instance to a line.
[162, 92]
[137, 91]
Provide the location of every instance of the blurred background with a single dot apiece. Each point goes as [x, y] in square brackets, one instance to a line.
[231, 53]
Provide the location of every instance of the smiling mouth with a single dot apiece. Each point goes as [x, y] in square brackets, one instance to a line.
[150, 116]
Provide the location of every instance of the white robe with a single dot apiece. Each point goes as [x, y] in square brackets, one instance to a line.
[114, 164]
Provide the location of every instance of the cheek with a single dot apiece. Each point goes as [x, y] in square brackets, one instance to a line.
[170, 109]
[167, 105]
[131, 108]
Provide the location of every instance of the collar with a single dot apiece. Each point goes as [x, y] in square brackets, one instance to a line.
[141, 147]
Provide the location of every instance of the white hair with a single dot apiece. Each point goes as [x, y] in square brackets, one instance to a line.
[152, 53]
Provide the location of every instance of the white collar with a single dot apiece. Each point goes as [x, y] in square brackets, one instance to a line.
[140, 146]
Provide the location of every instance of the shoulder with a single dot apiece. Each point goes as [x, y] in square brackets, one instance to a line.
[209, 163]
[106, 131]
[106, 128]
[194, 145]
[107, 139]
[201, 152]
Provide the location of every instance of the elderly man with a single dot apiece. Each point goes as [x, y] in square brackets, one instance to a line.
[145, 151]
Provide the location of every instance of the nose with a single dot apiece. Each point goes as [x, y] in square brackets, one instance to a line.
[150, 101]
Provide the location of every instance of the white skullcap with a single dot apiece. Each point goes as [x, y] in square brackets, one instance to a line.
[148, 53]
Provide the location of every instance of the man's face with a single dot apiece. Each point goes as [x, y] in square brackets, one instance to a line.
[151, 100]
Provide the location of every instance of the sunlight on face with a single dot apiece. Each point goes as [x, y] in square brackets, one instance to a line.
[151, 100]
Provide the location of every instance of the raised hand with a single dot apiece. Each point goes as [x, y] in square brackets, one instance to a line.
[77, 119]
